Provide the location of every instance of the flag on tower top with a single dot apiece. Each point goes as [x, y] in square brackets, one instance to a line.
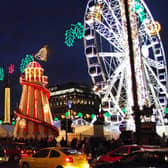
[42, 53]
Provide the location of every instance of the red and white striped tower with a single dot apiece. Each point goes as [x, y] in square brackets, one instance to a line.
[34, 119]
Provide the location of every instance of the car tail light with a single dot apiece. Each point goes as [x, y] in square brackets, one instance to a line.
[156, 156]
[5, 151]
[89, 157]
[22, 151]
[68, 160]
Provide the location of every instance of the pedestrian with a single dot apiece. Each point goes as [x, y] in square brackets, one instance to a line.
[63, 142]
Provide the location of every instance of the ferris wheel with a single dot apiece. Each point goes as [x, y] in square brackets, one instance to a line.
[107, 55]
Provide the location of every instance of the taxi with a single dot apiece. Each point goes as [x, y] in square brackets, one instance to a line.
[55, 157]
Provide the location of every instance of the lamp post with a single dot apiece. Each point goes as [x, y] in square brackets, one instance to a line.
[67, 116]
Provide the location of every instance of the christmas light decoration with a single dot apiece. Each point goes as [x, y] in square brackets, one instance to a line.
[140, 10]
[56, 119]
[166, 110]
[28, 59]
[92, 116]
[69, 37]
[22, 65]
[154, 28]
[42, 53]
[11, 68]
[67, 114]
[107, 114]
[80, 114]
[77, 31]
[1, 73]
[124, 110]
[25, 61]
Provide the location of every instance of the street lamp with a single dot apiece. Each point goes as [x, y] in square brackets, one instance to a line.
[68, 120]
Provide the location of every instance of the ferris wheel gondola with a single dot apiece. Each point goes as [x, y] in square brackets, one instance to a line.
[107, 55]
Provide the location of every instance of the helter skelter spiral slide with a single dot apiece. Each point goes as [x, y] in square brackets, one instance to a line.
[33, 116]
[107, 54]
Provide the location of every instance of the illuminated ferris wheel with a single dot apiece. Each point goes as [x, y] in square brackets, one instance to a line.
[107, 55]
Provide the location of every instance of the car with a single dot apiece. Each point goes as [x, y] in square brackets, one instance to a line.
[27, 150]
[3, 155]
[17, 150]
[55, 157]
[143, 158]
[121, 151]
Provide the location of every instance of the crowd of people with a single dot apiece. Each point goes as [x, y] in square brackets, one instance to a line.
[91, 146]
[96, 146]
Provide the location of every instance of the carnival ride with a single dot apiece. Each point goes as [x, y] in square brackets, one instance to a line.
[34, 119]
[107, 55]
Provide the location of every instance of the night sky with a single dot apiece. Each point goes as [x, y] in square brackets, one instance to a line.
[27, 25]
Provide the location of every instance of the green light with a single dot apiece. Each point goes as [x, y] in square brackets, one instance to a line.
[142, 16]
[124, 110]
[80, 114]
[56, 119]
[166, 110]
[28, 59]
[69, 37]
[107, 114]
[1, 73]
[25, 61]
[13, 122]
[0, 121]
[92, 116]
[77, 31]
[140, 10]
[67, 114]
[22, 65]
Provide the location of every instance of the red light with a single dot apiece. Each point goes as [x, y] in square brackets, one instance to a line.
[100, 115]
[22, 151]
[156, 156]
[68, 160]
[5, 151]
[89, 157]
[11, 69]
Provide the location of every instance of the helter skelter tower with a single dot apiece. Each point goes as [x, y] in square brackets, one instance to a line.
[34, 119]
